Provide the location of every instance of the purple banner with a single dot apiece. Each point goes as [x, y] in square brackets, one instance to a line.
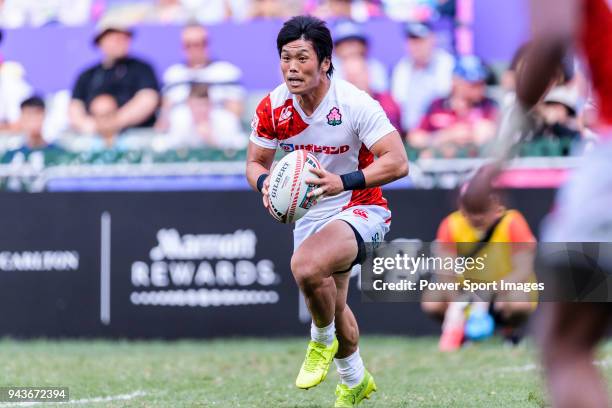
[500, 27]
[53, 56]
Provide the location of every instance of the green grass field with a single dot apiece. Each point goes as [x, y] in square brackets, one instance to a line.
[260, 373]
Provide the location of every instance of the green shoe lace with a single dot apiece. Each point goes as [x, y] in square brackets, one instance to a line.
[315, 357]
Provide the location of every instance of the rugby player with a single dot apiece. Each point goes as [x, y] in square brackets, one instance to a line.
[345, 129]
[571, 331]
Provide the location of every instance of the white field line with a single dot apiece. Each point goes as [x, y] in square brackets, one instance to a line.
[110, 398]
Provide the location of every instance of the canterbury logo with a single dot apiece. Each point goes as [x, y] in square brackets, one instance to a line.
[290, 147]
[285, 114]
[361, 213]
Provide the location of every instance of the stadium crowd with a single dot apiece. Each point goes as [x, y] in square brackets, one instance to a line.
[18, 13]
[445, 105]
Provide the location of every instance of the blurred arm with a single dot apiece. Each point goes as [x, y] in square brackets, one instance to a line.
[79, 119]
[138, 109]
[554, 28]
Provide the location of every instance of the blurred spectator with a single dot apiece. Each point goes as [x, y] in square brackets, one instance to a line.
[129, 80]
[365, 9]
[558, 111]
[199, 123]
[464, 119]
[356, 72]
[274, 8]
[357, 10]
[178, 11]
[422, 76]
[104, 111]
[19, 13]
[351, 41]
[334, 9]
[447, 8]
[13, 90]
[215, 11]
[223, 77]
[31, 126]
[508, 78]
[168, 12]
[155, 11]
[556, 118]
[412, 10]
[567, 73]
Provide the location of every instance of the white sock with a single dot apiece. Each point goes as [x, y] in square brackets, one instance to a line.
[350, 369]
[323, 335]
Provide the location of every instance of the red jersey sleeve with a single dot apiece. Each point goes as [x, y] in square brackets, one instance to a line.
[262, 127]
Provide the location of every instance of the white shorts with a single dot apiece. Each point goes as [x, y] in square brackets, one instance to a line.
[370, 221]
[583, 206]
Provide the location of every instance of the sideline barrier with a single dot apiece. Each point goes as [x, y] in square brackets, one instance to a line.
[175, 265]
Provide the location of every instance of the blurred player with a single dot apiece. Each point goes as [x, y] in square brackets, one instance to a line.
[345, 129]
[571, 330]
[485, 222]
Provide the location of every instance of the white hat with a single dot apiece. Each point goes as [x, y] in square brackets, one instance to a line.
[565, 95]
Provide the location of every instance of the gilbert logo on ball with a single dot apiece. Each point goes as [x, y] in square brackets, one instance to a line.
[288, 188]
[334, 117]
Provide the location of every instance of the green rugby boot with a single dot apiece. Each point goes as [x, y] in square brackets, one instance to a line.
[316, 364]
[350, 397]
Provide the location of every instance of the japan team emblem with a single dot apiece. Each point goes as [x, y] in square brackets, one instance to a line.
[334, 117]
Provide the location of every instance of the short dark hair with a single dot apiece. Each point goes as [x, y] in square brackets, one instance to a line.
[310, 29]
[33, 102]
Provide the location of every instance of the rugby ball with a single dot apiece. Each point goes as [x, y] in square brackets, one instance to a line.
[288, 189]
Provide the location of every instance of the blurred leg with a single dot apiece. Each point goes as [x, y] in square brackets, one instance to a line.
[570, 332]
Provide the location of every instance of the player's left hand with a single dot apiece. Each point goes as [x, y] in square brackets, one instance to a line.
[328, 184]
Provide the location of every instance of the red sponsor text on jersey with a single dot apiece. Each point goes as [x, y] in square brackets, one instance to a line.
[289, 147]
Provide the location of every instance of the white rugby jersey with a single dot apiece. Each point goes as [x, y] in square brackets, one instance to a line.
[339, 133]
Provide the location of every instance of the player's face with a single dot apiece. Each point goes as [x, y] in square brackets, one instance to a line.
[300, 67]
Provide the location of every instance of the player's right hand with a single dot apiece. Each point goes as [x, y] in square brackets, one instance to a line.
[266, 197]
[265, 193]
